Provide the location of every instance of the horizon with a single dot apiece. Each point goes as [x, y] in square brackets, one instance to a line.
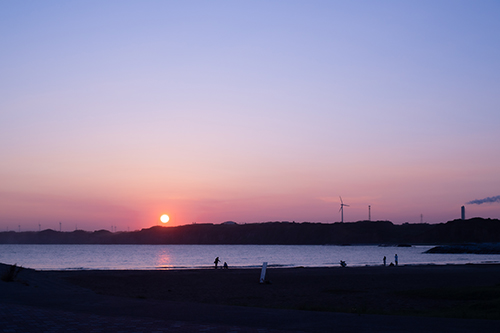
[166, 225]
[116, 113]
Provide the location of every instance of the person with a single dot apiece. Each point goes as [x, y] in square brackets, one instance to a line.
[396, 259]
[225, 265]
[216, 262]
[385, 261]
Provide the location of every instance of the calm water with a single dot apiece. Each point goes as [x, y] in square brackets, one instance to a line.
[64, 257]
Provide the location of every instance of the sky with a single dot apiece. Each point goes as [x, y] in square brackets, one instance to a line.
[115, 112]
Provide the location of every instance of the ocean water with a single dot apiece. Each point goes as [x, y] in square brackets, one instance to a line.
[79, 257]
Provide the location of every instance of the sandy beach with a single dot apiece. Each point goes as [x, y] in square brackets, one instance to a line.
[358, 289]
[320, 297]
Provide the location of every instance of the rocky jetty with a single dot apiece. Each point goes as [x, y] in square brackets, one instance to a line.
[483, 248]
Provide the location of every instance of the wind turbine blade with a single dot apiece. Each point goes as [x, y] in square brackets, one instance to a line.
[341, 200]
[340, 208]
[346, 205]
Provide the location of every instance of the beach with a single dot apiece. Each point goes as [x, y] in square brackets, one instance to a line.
[294, 299]
[357, 289]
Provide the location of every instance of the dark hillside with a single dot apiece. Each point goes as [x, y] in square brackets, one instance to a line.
[476, 230]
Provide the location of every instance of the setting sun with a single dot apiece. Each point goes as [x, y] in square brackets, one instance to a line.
[164, 218]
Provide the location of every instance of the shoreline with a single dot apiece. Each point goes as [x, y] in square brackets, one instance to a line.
[255, 267]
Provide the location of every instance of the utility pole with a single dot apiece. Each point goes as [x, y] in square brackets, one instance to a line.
[369, 213]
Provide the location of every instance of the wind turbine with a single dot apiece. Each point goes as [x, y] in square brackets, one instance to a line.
[341, 210]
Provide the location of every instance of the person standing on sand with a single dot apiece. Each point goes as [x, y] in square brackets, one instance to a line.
[396, 259]
[216, 261]
[384, 260]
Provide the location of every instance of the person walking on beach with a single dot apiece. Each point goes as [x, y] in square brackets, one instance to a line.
[385, 259]
[216, 261]
[396, 259]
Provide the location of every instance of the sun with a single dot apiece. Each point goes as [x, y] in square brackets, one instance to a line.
[164, 218]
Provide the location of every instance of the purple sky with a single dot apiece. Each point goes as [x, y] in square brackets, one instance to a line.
[113, 113]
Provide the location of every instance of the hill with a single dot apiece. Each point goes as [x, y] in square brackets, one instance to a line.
[476, 230]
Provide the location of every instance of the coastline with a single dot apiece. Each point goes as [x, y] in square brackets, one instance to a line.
[255, 267]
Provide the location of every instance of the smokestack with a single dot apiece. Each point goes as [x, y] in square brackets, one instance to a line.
[463, 212]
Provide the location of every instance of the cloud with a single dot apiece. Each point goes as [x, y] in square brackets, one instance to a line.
[485, 200]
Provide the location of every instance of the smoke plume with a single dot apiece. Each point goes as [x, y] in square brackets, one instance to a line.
[485, 200]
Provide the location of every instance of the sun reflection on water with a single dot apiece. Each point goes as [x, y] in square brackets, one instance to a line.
[163, 260]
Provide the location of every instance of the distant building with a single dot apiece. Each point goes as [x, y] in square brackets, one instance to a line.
[463, 212]
[229, 222]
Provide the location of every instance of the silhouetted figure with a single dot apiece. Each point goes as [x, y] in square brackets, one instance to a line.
[342, 263]
[225, 265]
[385, 261]
[396, 259]
[216, 262]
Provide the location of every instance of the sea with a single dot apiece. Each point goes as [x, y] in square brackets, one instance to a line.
[147, 257]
